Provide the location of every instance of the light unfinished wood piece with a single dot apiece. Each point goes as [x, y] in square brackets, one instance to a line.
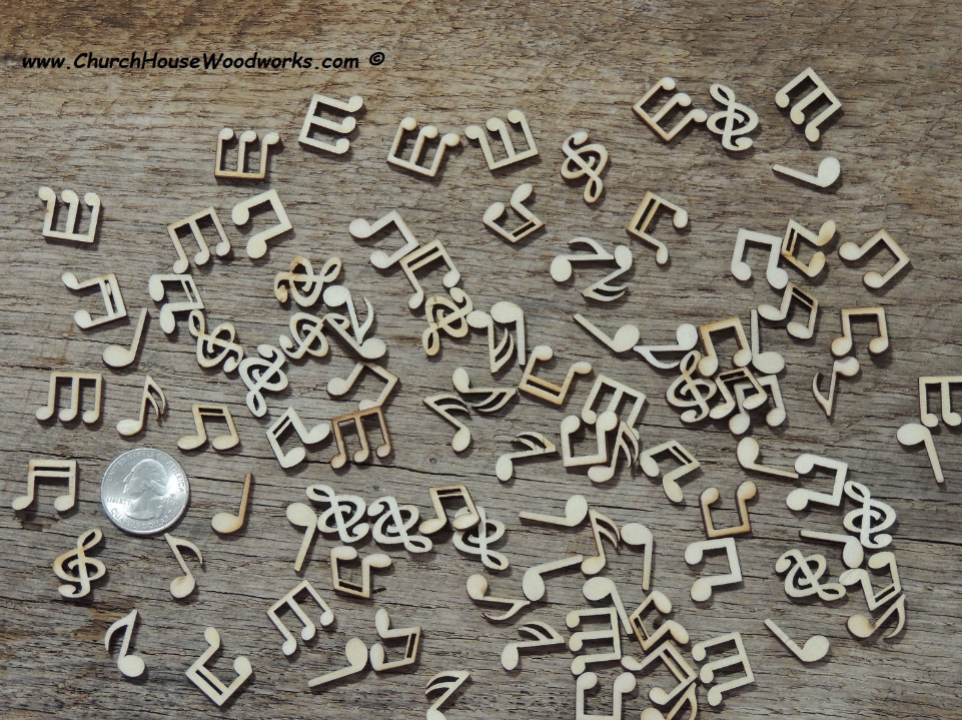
[797, 232]
[478, 540]
[532, 223]
[829, 171]
[606, 423]
[447, 683]
[445, 404]
[181, 587]
[118, 356]
[209, 683]
[637, 535]
[582, 160]
[852, 252]
[533, 581]
[708, 364]
[309, 630]
[425, 256]
[361, 455]
[291, 421]
[861, 627]
[542, 636]
[302, 516]
[337, 387]
[741, 421]
[497, 125]
[561, 266]
[669, 629]
[313, 121]
[362, 229]
[852, 551]
[702, 588]
[394, 522]
[226, 523]
[645, 215]
[775, 275]
[944, 383]
[815, 648]
[576, 510]
[203, 413]
[602, 528]
[244, 142]
[217, 347]
[72, 566]
[746, 491]
[800, 498]
[708, 670]
[302, 285]
[130, 665]
[793, 295]
[676, 664]
[484, 400]
[544, 389]
[192, 223]
[748, 452]
[727, 382]
[444, 493]
[678, 100]
[860, 576]
[803, 577]
[157, 287]
[621, 394]
[600, 588]
[870, 520]
[70, 412]
[345, 553]
[356, 652]
[686, 338]
[688, 699]
[109, 292]
[154, 396]
[306, 337]
[338, 296]
[669, 482]
[477, 587]
[379, 662]
[70, 231]
[912, 434]
[624, 339]
[263, 374]
[842, 346]
[500, 351]
[611, 634]
[52, 471]
[627, 445]
[820, 95]
[416, 162]
[735, 120]
[447, 314]
[535, 444]
[340, 513]
[623, 684]
[241, 215]
[605, 289]
[846, 367]
[768, 363]
[686, 391]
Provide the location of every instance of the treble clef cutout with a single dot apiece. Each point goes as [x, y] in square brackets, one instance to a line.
[263, 375]
[477, 540]
[735, 119]
[870, 520]
[343, 515]
[217, 347]
[584, 160]
[687, 391]
[393, 524]
[76, 563]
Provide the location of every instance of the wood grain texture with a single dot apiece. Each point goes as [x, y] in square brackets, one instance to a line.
[145, 142]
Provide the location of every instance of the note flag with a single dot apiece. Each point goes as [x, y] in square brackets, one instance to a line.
[181, 587]
[153, 396]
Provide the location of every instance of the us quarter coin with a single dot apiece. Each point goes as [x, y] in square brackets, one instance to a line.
[144, 491]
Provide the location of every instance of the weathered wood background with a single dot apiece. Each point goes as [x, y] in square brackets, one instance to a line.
[145, 141]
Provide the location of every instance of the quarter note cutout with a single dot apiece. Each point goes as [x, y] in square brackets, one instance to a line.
[852, 552]
[746, 491]
[343, 515]
[478, 539]
[536, 445]
[117, 356]
[767, 363]
[416, 163]
[542, 636]
[181, 587]
[497, 125]
[819, 92]
[444, 405]
[394, 525]
[462, 522]
[309, 629]
[582, 160]
[70, 232]
[109, 291]
[72, 566]
[669, 629]
[192, 222]
[213, 412]
[623, 685]
[708, 670]
[670, 480]
[611, 634]
[303, 516]
[736, 119]
[263, 374]
[500, 351]
[646, 213]
[829, 170]
[477, 587]
[912, 434]
[748, 451]
[448, 682]
[543, 389]
[209, 683]
[868, 521]
[244, 141]
[484, 400]
[241, 215]
[702, 588]
[217, 347]
[447, 314]
[291, 421]
[69, 413]
[708, 364]
[496, 210]
[846, 367]
[602, 528]
[158, 290]
[793, 295]
[686, 391]
[226, 523]
[678, 100]
[799, 499]
[576, 510]
[129, 664]
[804, 576]
[625, 337]
[851, 252]
[361, 229]
[153, 396]
[775, 275]
[533, 581]
[675, 663]
[382, 622]
[356, 652]
[345, 553]
[302, 284]
[795, 233]
[361, 455]
[337, 387]
[54, 471]
[313, 121]
[815, 648]
[423, 257]
[842, 346]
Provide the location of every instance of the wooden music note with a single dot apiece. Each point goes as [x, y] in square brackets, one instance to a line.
[444, 405]
[804, 576]
[856, 576]
[209, 683]
[356, 652]
[819, 93]
[462, 522]
[361, 455]
[708, 670]
[735, 120]
[416, 162]
[109, 291]
[394, 523]
[537, 445]
[702, 588]
[49, 471]
[708, 364]
[675, 663]
[650, 208]
[912, 434]
[291, 421]
[244, 141]
[226, 523]
[597, 589]
[301, 515]
[795, 328]
[601, 529]
[777, 277]
[748, 452]
[309, 629]
[218, 346]
[797, 232]
[869, 520]
[843, 345]
[157, 287]
[448, 682]
[689, 699]
[768, 363]
[576, 510]
[489, 400]
[181, 587]
[575, 166]
[212, 412]
[627, 444]
[624, 339]
[497, 125]
[533, 581]
[861, 627]
[607, 421]
[499, 351]
[181, 264]
[346, 553]
[686, 337]
[479, 539]
[382, 622]
[241, 215]
[307, 336]
[727, 382]
[361, 229]
[852, 552]
[799, 498]
[846, 367]
[685, 391]
[829, 170]
[667, 629]
[477, 587]
[623, 684]
[816, 647]
[851, 252]
[76, 561]
[338, 387]
[543, 389]
[304, 285]
[543, 636]
[449, 314]
[70, 412]
[670, 481]
[344, 514]
[945, 382]
[603, 290]
[577, 640]
[92, 200]
[153, 396]
[496, 210]
[746, 491]
[741, 421]
[313, 120]
[678, 100]
[348, 333]
[117, 356]
[637, 535]
[561, 268]
[130, 665]
[423, 257]
[620, 393]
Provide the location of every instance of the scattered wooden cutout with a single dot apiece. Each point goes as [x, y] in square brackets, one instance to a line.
[477, 586]
[356, 652]
[130, 665]
[748, 452]
[217, 347]
[213, 412]
[741, 421]
[670, 480]
[537, 445]
[646, 213]
[533, 581]
[70, 412]
[336, 387]
[444, 405]
[416, 162]
[303, 516]
[815, 648]
[598, 588]
[623, 685]
[702, 588]
[602, 528]
[181, 587]
[861, 627]
[209, 684]
[154, 396]
[91, 199]
[686, 391]
[157, 286]
[109, 292]
[627, 444]
[668, 653]
[576, 166]
[604, 290]
[768, 363]
[192, 222]
[746, 491]
[912, 434]
[707, 673]
[860, 576]
[449, 682]
[667, 629]
[241, 215]
[736, 119]
[302, 284]
[226, 523]
[55, 471]
[244, 141]
[361, 229]
[577, 640]
[678, 100]
[422, 257]
[799, 498]
[343, 513]
[544, 389]
[868, 521]
[624, 339]
[846, 367]
[811, 569]
[394, 523]
[485, 400]
[619, 394]
[686, 337]
[497, 125]
[448, 314]
[263, 374]
[117, 356]
[291, 421]
[500, 351]
[478, 539]
[727, 382]
[843, 345]
[576, 510]
[496, 210]
[382, 622]
[309, 629]
[462, 522]
[796, 232]
[314, 120]
[819, 94]
[544, 636]
[346, 553]
[851, 252]
[708, 364]
[776, 276]
[361, 455]
[829, 170]
[76, 561]
[793, 293]
[852, 552]
[606, 423]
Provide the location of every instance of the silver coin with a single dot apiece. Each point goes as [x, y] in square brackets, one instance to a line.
[144, 491]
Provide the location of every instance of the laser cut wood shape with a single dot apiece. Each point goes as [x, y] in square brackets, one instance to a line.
[577, 640]
[829, 170]
[479, 539]
[416, 163]
[72, 566]
[241, 215]
[602, 528]
[209, 683]
[290, 421]
[861, 627]
[678, 100]
[263, 374]
[561, 268]
[382, 622]
[70, 412]
[598, 589]
[670, 481]
[542, 636]
[668, 628]
[302, 284]
[688, 699]
[215, 348]
[497, 125]
[748, 451]
[225, 523]
[686, 391]
[49, 471]
[153, 396]
[338, 387]
[117, 356]
[859, 576]
[447, 683]
[846, 367]
[181, 587]
[543, 389]
[313, 121]
[447, 314]
[869, 520]
[484, 400]
[500, 351]
[686, 337]
[736, 119]
[727, 382]
[212, 412]
[627, 444]
[244, 141]
[793, 295]
[394, 523]
[158, 290]
[576, 510]
[708, 670]
[303, 516]
[306, 338]
[348, 328]
[620, 393]
[309, 629]
[799, 499]
[129, 665]
[741, 421]
[536, 444]
[425, 256]
[581, 160]
[768, 363]
[477, 587]
[356, 652]
[462, 522]
[606, 423]
[819, 93]
[445, 404]
[533, 581]
[496, 210]
[852, 252]
[604, 290]
[702, 588]
[746, 491]
[109, 291]
[708, 364]
[815, 648]
[343, 514]
[624, 339]
[192, 223]
[795, 233]
[842, 346]
[623, 685]
[912, 434]
[361, 229]
[944, 383]
[361, 455]
[70, 231]
[852, 552]
[651, 206]
[776, 277]
[675, 663]
[346, 553]
[804, 576]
